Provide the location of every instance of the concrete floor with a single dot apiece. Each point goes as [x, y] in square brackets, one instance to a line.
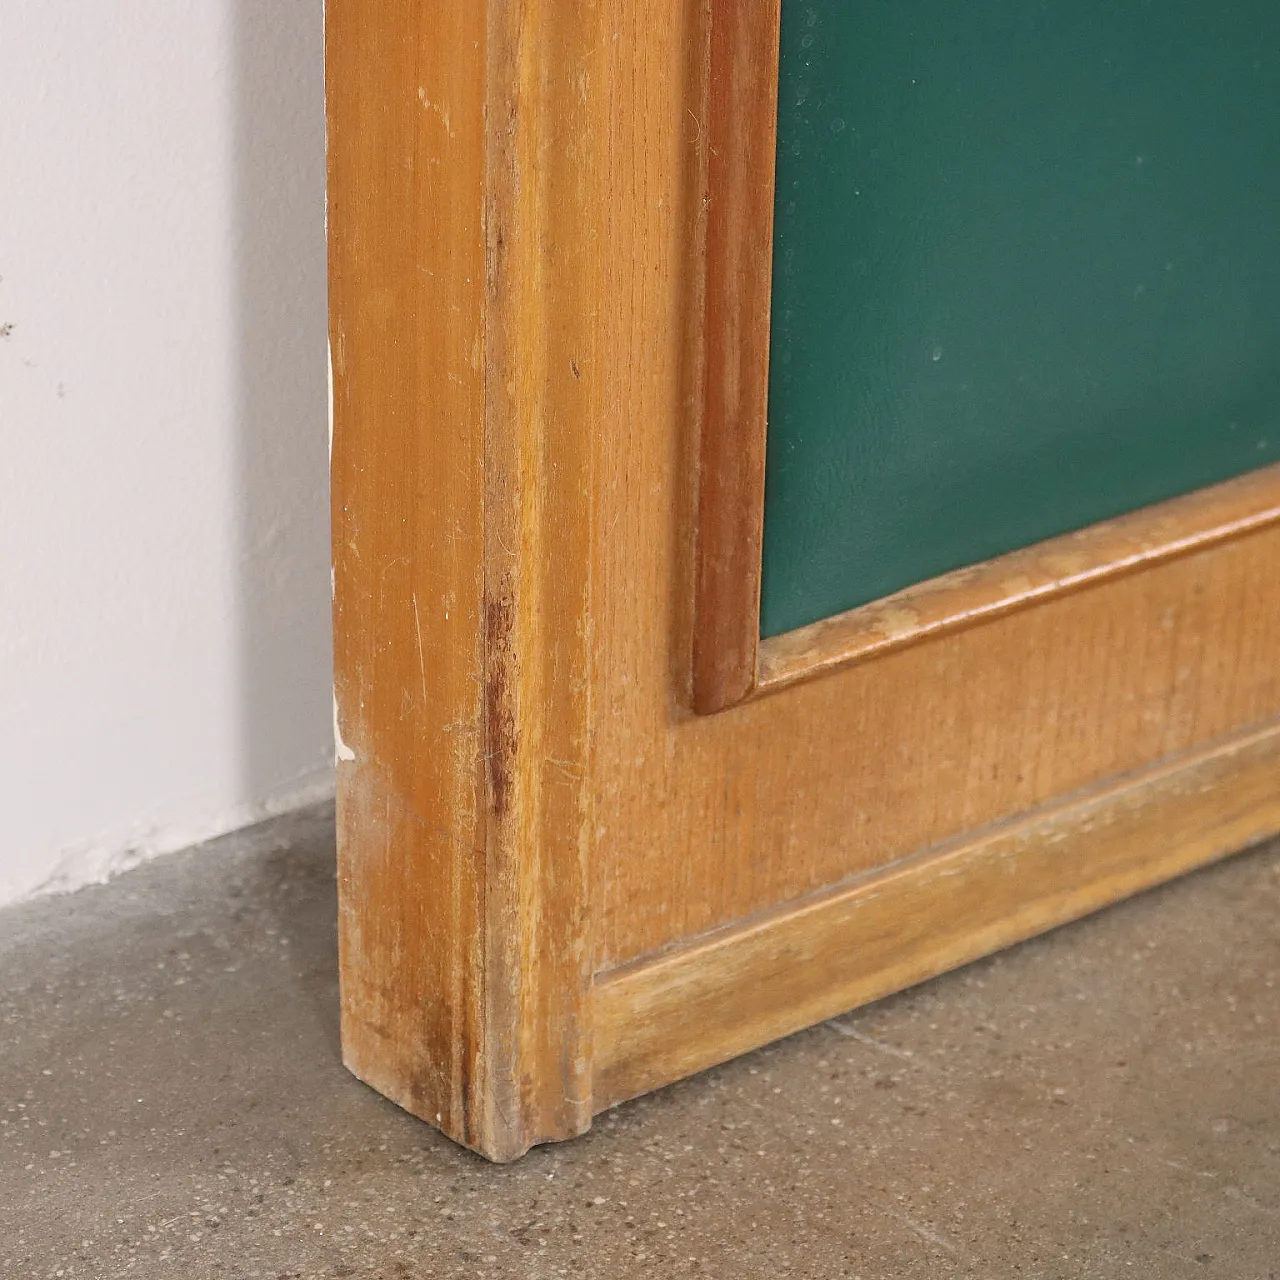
[1104, 1102]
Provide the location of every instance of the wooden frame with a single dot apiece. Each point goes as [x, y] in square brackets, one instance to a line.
[742, 122]
[559, 885]
[731, 663]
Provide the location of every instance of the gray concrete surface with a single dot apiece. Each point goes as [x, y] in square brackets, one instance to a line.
[1104, 1101]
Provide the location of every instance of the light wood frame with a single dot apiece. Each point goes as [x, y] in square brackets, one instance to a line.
[560, 885]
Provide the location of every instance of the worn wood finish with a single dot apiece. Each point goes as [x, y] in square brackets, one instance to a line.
[665, 1018]
[405, 327]
[519, 237]
[741, 115]
[461, 143]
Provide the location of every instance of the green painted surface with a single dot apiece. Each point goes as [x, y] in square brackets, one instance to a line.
[1026, 277]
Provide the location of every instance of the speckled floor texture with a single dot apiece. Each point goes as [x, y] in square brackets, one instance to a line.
[1103, 1101]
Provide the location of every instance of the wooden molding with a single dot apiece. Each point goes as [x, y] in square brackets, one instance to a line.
[730, 662]
[664, 1018]
[742, 111]
[1023, 578]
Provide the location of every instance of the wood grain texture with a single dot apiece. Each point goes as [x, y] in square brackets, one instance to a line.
[740, 988]
[705, 820]
[725, 816]
[460, 146]
[741, 114]
[519, 237]
[541, 362]
[406, 330]
[1026, 577]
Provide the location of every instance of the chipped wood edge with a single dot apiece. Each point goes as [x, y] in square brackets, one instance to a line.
[663, 1019]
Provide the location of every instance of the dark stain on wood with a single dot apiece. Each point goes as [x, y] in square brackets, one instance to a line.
[500, 720]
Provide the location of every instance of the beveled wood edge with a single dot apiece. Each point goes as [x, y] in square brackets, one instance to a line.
[1110, 549]
[659, 1020]
[741, 133]
[730, 662]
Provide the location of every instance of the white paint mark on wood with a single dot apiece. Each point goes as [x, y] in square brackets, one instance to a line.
[340, 749]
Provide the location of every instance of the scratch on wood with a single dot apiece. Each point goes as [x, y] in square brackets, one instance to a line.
[500, 722]
[422, 660]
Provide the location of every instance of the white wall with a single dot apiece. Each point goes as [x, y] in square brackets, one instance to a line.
[164, 582]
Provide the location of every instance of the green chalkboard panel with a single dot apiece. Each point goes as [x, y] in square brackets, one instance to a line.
[1026, 277]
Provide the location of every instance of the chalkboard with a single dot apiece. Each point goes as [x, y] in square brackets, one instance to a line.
[1026, 277]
